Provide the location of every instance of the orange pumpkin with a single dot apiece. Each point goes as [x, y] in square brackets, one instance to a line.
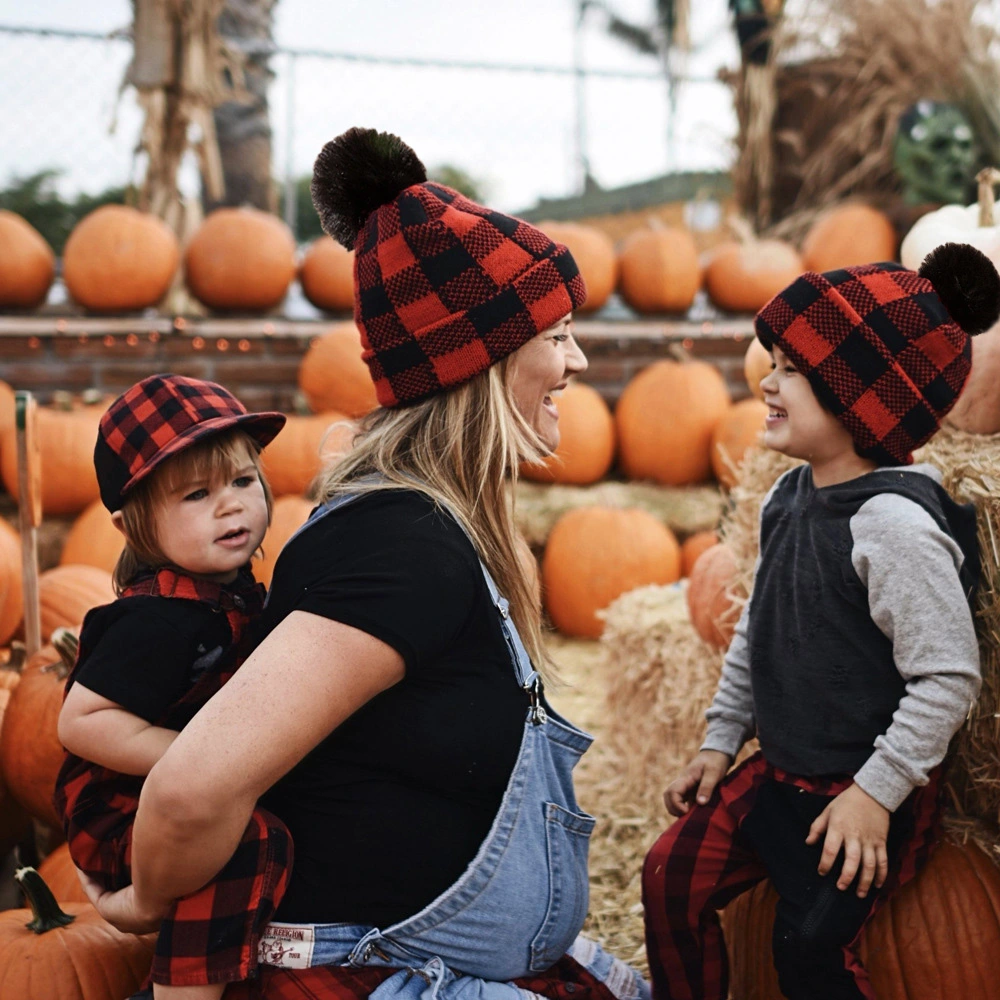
[93, 540]
[289, 514]
[240, 258]
[660, 271]
[693, 546]
[596, 554]
[30, 751]
[847, 235]
[332, 375]
[68, 953]
[14, 819]
[6, 406]
[60, 876]
[66, 440]
[937, 938]
[27, 264]
[756, 366]
[737, 431]
[327, 275]
[11, 594]
[118, 258]
[305, 444]
[709, 596]
[665, 418]
[586, 440]
[743, 277]
[595, 256]
[67, 592]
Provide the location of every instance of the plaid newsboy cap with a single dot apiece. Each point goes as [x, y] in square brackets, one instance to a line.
[445, 288]
[880, 351]
[161, 416]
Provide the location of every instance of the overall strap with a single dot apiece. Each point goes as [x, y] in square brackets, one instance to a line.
[527, 676]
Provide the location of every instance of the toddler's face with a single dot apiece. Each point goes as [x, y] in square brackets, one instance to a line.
[797, 424]
[212, 528]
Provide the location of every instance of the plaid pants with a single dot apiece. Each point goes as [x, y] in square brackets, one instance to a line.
[566, 980]
[754, 827]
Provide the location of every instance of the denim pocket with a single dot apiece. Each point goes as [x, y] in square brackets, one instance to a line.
[567, 837]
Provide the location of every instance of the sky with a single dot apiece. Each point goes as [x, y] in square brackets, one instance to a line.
[516, 133]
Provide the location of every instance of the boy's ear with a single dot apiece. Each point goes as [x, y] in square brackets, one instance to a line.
[117, 519]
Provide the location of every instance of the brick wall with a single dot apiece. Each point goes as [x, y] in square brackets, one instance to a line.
[262, 369]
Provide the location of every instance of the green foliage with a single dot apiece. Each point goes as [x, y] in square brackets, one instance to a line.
[36, 199]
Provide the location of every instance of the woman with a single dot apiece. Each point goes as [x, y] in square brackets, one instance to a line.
[391, 714]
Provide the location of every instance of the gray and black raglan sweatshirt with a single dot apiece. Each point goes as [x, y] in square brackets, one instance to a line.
[856, 653]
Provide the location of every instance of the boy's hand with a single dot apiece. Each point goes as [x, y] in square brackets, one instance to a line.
[698, 781]
[859, 824]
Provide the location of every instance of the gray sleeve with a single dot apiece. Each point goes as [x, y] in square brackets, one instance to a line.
[730, 716]
[910, 567]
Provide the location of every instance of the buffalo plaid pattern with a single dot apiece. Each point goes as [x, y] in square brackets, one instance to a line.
[879, 349]
[445, 288]
[160, 416]
[566, 980]
[212, 935]
[699, 865]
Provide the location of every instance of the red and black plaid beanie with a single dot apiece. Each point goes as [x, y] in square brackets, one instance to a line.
[886, 350]
[161, 416]
[443, 288]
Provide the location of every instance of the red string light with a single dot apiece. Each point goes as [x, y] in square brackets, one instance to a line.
[198, 343]
[222, 344]
[244, 345]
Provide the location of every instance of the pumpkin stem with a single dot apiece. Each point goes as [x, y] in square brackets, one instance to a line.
[680, 353]
[67, 644]
[16, 657]
[988, 178]
[44, 908]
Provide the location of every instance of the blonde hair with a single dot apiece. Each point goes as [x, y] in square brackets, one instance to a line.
[214, 458]
[459, 448]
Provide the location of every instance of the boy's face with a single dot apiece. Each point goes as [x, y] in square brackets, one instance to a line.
[212, 527]
[796, 424]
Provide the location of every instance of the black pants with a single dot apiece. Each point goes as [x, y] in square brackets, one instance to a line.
[814, 920]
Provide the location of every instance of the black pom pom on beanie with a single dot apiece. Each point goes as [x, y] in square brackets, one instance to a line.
[355, 174]
[968, 284]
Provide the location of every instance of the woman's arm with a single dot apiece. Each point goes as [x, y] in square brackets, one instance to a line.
[99, 730]
[308, 676]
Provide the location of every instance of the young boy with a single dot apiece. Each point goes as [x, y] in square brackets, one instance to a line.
[855, 660]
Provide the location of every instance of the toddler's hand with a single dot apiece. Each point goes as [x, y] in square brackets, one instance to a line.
[703, 774]
[859, 824]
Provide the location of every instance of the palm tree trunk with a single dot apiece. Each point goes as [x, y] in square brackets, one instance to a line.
[243, 128]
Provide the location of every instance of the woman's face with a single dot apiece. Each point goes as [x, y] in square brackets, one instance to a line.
[540, 370]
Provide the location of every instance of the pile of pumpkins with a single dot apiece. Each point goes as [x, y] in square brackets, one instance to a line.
[118, 259]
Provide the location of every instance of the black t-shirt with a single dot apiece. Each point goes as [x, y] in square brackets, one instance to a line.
[148, 651]
[388, 811]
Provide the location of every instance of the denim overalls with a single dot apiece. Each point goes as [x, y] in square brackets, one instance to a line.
[522, 901]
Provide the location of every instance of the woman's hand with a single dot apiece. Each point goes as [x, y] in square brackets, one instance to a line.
[859, 824]
[703, 774]
[120, 909]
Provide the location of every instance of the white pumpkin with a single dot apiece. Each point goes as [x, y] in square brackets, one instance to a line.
[978, 408]
[973, 224]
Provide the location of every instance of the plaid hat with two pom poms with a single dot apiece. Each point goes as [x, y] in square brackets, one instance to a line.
[885, 349]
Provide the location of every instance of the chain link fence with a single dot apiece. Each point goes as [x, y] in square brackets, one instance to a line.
[517, 132]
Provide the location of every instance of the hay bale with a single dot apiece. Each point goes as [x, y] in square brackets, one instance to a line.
[683, 509]
[659, 678]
